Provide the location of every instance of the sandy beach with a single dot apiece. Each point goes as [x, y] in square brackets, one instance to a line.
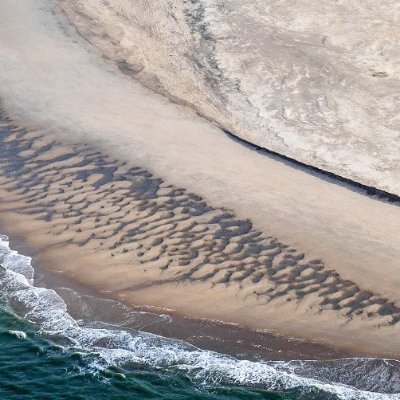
[141, 199]
[126, 233]
[85, 303]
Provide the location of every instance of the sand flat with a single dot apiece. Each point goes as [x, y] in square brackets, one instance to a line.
[122, 231]
[321, 258]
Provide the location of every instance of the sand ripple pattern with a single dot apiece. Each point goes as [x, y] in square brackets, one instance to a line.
[89, 199]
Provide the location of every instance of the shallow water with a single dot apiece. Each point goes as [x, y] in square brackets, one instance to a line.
[35, 367]
[48, 354]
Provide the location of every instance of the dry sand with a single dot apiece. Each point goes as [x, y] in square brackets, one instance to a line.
[250, 239]
[316, 81]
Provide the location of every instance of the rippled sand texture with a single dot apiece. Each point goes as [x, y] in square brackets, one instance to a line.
[109, 130]
[121, 229]
[318, 82]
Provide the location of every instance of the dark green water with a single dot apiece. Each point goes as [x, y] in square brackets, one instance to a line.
[36, 368]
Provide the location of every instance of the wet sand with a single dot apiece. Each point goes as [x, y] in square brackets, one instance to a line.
[137, 198]
[88, 306]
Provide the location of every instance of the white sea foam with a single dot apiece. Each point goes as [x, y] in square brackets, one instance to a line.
[18, 334]
[46, 308]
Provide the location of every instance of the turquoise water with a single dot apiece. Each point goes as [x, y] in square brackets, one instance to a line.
[46, 354]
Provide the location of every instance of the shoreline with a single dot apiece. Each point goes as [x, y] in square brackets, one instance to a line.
[331, 375]
[230, 339]
[56, 209]
[296, 347]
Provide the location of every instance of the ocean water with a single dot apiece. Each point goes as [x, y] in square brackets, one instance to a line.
[45, 353]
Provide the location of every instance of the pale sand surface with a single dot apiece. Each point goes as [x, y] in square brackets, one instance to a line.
[211, 265]
[316, 81]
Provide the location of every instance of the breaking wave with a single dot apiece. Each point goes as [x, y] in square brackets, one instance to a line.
[117, 347]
